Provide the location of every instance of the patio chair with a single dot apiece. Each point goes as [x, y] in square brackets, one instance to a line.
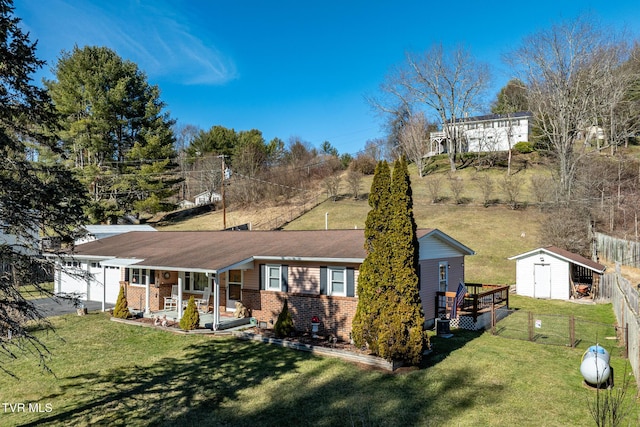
[171, 302]
[203, 303]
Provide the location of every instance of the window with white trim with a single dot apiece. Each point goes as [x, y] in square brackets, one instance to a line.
[273, 277]
[137, 276]
[235, 284]
[195, 282]
[337, 281]
[443, 276]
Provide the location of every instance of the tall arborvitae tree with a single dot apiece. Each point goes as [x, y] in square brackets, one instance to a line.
[404, 335]
[36, 198]
[375, 272]
[389, 318]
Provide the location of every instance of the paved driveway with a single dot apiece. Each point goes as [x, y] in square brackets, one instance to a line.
[49, 307]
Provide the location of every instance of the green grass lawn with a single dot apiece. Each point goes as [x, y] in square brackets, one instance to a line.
[107, 373]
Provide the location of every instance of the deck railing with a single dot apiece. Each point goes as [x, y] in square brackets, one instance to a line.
[480, 298]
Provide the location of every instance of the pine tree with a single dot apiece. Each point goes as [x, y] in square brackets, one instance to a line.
[121, 310]
[190, 318]
[284, 324]
[37, 198]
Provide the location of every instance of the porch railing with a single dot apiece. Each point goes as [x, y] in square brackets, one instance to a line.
[480, 298]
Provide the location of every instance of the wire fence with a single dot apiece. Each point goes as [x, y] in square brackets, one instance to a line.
[554, 329]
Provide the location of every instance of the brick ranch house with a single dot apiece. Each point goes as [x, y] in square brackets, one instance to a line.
[316, 271]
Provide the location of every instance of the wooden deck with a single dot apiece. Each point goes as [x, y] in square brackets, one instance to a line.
[480, 298]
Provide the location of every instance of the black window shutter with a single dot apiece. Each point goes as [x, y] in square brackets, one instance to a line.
[152, 277]
[262, 278]
[126, 274]
[350, 282]
[323, 280]
[284, 271]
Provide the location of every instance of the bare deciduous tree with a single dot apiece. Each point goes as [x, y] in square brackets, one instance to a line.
[565, 69]
[434, 187]
[413, 139]
[449, 84]
[511, 186]
[485, 185]
[354, 181]
[456, 185]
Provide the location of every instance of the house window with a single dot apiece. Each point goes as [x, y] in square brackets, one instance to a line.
[336, 281]
[235, 285]
[195, 282]
[137, 276]
[443, 276]
[274, 277]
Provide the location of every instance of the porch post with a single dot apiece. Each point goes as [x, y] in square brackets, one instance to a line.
[179, 303]
[104, 286]
[147, 293]
[216, 304]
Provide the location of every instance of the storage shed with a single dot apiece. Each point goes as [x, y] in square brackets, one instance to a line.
[554, 273]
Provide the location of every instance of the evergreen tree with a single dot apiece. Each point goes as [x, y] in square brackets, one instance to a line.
[121, 310]
[389, 318]
[114, 131]
[284, 324]
[375, 272]
[37, 199]
[404, 336]
[190, 318]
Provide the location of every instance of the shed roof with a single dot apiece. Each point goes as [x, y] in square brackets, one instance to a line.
[217, 250]
[567, 256]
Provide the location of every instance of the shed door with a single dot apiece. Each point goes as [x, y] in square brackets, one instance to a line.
[542, 281]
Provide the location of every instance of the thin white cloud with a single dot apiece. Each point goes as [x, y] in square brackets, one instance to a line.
[154, 35]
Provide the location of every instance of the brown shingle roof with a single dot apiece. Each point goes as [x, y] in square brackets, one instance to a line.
[216, 250]
[578, 259]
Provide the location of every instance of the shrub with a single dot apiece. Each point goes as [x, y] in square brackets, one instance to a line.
[121, 310]
[523, 147]
[284, 324]
[190, 318]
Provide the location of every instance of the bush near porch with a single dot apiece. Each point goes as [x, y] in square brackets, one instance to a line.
[157, 378]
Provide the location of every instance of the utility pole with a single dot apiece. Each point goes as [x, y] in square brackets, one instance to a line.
[224, 205]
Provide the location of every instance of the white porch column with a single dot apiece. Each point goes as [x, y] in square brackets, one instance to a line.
[147, 292]
[180, 284]
[216, 303]
[104, 287]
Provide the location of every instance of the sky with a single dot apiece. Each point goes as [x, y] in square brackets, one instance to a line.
[293, 69]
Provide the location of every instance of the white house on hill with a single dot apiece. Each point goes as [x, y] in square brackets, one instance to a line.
[489, 133]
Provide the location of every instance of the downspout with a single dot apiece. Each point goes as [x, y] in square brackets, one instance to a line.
[147, 292]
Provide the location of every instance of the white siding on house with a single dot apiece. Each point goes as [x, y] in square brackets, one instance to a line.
[432, 248]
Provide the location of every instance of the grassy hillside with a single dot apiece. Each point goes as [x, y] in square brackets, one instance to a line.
[495, 232]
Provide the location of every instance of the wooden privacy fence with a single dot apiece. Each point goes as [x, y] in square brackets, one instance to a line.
[613, 249]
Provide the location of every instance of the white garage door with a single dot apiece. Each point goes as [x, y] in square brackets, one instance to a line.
[96, 283]
[112, 283]
[72, 280]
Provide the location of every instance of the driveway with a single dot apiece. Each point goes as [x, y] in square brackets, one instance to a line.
[50, 307]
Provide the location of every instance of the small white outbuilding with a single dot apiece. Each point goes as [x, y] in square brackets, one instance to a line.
[554, 273]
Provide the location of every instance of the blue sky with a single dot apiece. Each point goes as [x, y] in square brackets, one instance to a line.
[292, 68]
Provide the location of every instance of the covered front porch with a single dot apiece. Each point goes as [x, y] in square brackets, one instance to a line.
[164, 292]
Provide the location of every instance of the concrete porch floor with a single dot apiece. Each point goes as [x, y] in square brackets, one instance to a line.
[227, 320]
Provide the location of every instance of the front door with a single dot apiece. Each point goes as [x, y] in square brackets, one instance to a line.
[542, 281]
[234, 288]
